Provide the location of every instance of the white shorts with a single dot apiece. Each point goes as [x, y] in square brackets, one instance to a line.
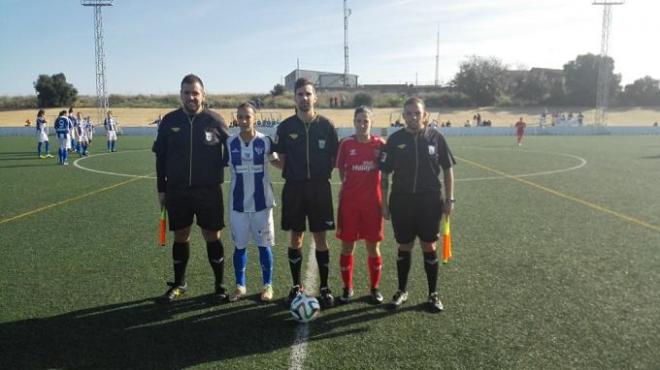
[68, 141]
[112, 135]
[258, 226]
[42, 137]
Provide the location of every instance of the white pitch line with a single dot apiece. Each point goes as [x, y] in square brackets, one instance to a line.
[299, 347]
[78, 165]
[582, 163]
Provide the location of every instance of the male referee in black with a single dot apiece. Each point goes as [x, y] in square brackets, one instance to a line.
[415, 156]
[307, 145]
[191, 155]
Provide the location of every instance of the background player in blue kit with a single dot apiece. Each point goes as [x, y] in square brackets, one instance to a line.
[63, 131]
[111, 131]
[42, 135]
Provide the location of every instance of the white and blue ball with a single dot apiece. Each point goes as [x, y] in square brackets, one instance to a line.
[304, 308]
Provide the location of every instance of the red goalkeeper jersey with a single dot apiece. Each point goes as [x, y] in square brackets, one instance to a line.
[359, 163]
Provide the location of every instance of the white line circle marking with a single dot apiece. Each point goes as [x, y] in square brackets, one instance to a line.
[582, 163]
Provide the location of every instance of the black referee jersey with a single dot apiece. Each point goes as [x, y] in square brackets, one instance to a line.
[310, 149]
[416, 160]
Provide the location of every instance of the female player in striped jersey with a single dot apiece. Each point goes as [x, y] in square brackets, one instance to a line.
[42, 135]
[251, 200]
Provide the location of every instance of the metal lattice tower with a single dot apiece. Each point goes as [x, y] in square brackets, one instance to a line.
[347, 13]
[603, 79]
[101, 92]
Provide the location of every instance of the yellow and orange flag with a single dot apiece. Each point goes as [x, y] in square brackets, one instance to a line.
[163, 226]
[446, 239]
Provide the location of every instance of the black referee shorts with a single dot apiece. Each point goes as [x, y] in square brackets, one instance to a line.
[204, 203]
[416, 215]
[311, 200]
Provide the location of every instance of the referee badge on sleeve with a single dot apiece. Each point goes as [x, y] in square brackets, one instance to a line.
[321, 144]
[431, 149]
[383, 156]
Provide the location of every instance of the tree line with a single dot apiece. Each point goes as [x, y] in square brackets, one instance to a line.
[480, 81]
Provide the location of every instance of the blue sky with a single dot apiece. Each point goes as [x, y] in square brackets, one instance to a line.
[250, 45]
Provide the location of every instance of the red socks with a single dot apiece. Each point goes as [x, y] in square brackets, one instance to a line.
[346, 267]
[375, 268]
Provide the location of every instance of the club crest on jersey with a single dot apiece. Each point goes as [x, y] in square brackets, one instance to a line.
[259, 150]
[175, 129]
[401, 146]
[352, 152]
[293, 136]
[431, 149]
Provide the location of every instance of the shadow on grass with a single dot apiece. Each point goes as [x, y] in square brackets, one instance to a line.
[143, 334]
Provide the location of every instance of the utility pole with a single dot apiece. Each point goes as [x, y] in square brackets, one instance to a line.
[101, 92]
[603, 79]
[347, 13]
[437, 56]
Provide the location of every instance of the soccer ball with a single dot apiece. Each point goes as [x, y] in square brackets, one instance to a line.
[304, 308]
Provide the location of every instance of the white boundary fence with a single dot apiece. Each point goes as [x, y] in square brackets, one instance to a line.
[384, 132]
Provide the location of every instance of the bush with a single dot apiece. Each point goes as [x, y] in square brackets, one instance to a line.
[18, 102]
[362, 99]
[506, 101]
[277, 90]
[447, 100]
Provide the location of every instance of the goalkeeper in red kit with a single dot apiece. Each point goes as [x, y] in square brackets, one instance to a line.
[360, 202]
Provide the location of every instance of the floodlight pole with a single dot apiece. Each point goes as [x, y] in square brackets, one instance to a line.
[603, 78]
[347, 13]
[101, 92]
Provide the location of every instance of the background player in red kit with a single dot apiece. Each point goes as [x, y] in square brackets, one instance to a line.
[360, 198]
[520, 130]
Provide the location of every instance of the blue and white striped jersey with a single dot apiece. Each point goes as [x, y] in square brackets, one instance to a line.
[74, 123]
[41, 126]
[110, 124]
[251, 190]
[62, 126]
